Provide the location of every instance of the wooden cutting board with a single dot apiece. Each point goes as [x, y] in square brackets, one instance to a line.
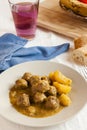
[52, 17]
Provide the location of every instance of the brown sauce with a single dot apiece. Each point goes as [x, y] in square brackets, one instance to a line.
[35, 96]
[40, 110]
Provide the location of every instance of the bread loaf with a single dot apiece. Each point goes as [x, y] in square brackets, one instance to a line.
[76, 6]
[80, 55]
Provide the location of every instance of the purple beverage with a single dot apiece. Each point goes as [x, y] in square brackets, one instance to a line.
[25, 17]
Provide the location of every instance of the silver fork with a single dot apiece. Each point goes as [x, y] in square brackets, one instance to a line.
[83, 71]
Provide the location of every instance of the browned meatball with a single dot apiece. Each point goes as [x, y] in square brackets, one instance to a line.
[46, 78]
[23, 100]
[21, 83]
[52, 102]
[27, 76]
[52, 91]
[43, 86]
[39, 97]
[34, 80]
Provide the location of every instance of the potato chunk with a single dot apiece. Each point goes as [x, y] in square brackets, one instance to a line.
[64, 100]
[62, 88]
[51, 76]
[59, 77]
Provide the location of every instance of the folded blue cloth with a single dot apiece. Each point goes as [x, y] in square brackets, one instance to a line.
[12, 51]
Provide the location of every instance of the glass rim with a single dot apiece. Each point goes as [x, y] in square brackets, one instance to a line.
[14, 2]
[9, 2]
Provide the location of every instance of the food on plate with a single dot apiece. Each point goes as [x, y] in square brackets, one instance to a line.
[59, 77]
[79, 7]
[52, 102]
[40, 96]
[62, 88]
[79, 54]
[64, 100]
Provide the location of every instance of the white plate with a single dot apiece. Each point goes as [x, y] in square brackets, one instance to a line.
[78, 94]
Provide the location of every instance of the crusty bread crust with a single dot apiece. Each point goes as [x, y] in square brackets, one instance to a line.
[80, 55]
[80, 41]
[76, 6]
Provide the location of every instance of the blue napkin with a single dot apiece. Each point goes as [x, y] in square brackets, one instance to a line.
[12, 51]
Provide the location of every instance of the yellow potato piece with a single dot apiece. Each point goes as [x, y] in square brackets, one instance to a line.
[59, 77]
[51, 76]
[62, 88]
[64, 100]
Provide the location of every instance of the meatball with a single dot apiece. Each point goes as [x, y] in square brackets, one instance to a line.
[13, 93]
[39, 97]
[52, 91]
[34, 80]
[43, 86]
[52, 102]
[23, 100]
[46, 78]
[27, 76]
[21, 83]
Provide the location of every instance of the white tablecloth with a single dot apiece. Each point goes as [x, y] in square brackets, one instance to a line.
[46, 38]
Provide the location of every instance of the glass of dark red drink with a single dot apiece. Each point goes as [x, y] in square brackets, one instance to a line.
[25, 13]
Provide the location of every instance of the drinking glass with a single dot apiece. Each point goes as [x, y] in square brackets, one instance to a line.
[25, 13]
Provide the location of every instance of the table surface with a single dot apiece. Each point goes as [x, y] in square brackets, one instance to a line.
[44, 38]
